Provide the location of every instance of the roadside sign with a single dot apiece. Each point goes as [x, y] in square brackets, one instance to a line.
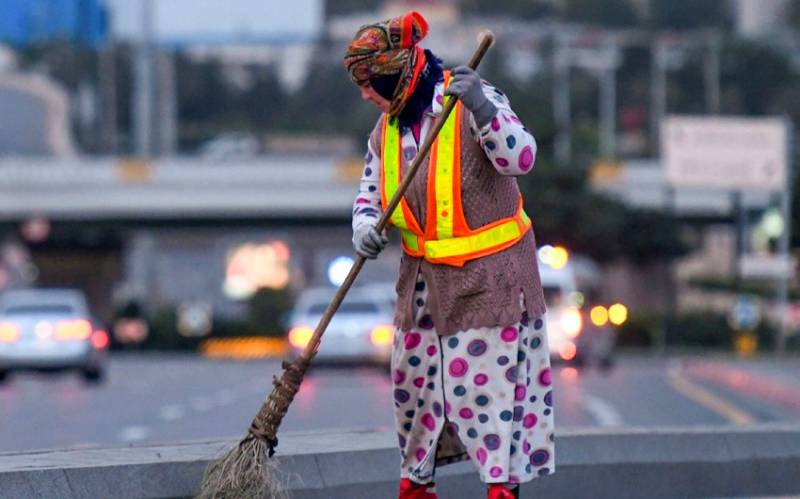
[745, 154]
[746, 344]
[745, 314]
[767, 266]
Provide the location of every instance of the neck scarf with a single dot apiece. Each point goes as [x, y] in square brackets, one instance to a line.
[421, 99]
[389, 48]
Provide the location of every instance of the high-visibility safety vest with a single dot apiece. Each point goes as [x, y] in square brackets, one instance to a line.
[447, 238]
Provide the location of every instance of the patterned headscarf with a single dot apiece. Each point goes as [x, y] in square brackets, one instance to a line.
[386, 48]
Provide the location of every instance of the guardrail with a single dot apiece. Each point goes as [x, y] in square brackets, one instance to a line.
[620, 463]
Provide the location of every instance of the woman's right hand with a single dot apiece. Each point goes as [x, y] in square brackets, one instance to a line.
[368, 242]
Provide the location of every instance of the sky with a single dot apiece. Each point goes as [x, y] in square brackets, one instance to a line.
[222, 21]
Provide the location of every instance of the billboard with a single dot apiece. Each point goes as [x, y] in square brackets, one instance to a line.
[26, 22]
[742, 154]
[220, 22]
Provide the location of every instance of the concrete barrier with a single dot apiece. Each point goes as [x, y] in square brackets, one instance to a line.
[620, 463]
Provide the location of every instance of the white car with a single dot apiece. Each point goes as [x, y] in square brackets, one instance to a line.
[49, 330]
[563, 318]
[576, 329]
[361, 330]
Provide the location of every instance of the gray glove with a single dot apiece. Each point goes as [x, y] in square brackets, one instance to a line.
[367, 242]
[466, 85]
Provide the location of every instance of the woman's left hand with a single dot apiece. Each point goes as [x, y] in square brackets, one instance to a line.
[466, 85]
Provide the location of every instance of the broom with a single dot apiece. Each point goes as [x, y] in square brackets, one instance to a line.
[247, 470]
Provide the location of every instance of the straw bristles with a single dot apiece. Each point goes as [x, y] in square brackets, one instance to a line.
[246, 472]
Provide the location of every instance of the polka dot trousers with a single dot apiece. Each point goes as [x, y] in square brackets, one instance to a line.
[483, 394]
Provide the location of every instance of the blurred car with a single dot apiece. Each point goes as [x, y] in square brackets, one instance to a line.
[579, 327]
[361, 330]
[50, 330]
[230, 146]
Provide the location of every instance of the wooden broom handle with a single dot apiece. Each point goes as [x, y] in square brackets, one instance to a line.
[486, 41]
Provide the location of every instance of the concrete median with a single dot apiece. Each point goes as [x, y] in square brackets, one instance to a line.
[762, 460]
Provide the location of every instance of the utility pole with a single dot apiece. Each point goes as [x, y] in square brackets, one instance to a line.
[144, 81]
[608, 100]
[711, 71]
[108, 99]
[784, 242]
[742, 223]
[561, 101]
[658, 91]
[166, 123]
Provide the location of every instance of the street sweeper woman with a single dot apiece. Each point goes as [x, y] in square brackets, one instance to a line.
[470, 362]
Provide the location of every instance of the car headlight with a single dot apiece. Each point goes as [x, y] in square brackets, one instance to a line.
[382, 335]
[9, 332]
[299, 336]
[599, 315]
[571, 322]
[618, 314]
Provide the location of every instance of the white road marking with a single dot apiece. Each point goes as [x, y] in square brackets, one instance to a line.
[134, 433]
[171, 412]
[602, 411]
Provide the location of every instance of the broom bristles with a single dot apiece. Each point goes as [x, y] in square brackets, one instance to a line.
[246, 472]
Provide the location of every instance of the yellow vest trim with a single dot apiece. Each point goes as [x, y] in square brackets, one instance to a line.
[476, 243]
[445, 159]
[392, 169]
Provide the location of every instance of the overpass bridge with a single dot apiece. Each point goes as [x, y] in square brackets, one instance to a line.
[179, 189]
[165, 230]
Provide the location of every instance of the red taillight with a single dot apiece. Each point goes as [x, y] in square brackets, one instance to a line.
[73, 330]
[568, 351]
[9, 332]
[100, 340]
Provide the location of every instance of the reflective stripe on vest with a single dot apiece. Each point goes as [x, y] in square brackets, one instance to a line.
[402, 217]
[447, 239]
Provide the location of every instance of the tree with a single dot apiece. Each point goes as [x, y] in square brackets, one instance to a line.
[68, 63]
[795, 215]
[332, 107]
[686, 14]
[264, 100]
[201, 82]
[752, 76]
[648, 235]
[520, 9]
[343, 7]
[608, 13]
[794, 14]
[267, 309]
[565, 210]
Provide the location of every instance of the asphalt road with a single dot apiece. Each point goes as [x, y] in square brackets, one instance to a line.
[158, 399]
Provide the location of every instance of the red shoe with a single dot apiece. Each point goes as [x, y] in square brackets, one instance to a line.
[411, 490]
[500, 491]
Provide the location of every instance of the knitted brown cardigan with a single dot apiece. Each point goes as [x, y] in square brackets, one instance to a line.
[485, 292]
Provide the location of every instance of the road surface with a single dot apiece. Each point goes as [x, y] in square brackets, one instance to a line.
[170, 398]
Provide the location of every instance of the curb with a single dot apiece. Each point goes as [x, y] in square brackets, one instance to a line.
[761, 460]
